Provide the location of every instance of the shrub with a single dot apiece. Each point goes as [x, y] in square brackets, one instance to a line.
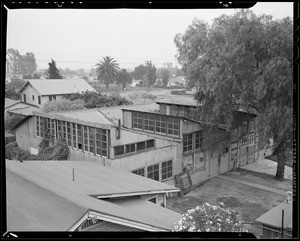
[9, 149]
[63, 105]
[94, 99]
[209, 218]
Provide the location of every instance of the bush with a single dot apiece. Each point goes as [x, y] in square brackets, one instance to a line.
[209, 218]
[9, 149]
[94, 99]
[63, 105]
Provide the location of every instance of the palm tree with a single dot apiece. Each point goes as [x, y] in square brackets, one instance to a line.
[106, 70]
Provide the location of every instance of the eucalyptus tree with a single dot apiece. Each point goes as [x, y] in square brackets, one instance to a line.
[243, 61]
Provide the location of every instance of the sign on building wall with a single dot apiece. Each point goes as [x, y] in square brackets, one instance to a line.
[199, 161]
[187, 163]
[183, 182]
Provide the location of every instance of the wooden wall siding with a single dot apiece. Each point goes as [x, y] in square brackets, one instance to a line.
[190, 126]
[26, 135]
[29, 91]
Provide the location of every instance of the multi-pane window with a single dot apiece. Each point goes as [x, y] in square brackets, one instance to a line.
[101, 142]
[85, 138]
[64, 129]
[166, 170]
[140, 172]
[38, 126]
[105, 135]
[244, 141]
[150, 144]
[74, 135]
[138, 120]
[69, 134]
[133, 147]
[59, 129]
[140, 146]
[33, 97]
[251, 138]
[174, 110]
[53, 127]
[199, 139]
[43, 124]
[130, 148]
[119, 150]
[173, 126]
[149, 122]
[187, 142]
[160, 124]
[153, 172]
[79, 136]
[91, 139]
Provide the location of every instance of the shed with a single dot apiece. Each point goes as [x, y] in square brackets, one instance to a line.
[271, 222]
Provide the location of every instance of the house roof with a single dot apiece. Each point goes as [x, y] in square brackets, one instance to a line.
[58, 86]
[10, 102]
[178, 100]
[113, 182]
[274, 216]
[52, 201]
[27, 111]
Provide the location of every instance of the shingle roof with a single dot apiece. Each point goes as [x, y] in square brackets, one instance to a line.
[41, 195]
[59, 86]
[274, 216]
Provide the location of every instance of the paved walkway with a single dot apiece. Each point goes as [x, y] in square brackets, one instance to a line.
[256, 185]
[267, 166]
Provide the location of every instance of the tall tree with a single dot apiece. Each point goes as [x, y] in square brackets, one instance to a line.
[139, 72]
[18, 64]
[150, 76]
[53, 72]
[165, 77]
[106, 70]
[124, 78]
[243, 61]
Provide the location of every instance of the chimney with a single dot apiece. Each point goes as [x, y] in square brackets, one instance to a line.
[289, 197]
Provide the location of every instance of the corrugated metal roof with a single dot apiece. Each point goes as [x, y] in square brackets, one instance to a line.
[59, 86]
[50, 200]
[274, 216]
[9, 102]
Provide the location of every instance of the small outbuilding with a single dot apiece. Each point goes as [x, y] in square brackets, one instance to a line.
[277, 223]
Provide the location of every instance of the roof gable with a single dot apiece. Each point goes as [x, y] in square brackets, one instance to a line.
[58, 86]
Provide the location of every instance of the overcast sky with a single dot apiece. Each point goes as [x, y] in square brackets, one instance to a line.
[79, 38]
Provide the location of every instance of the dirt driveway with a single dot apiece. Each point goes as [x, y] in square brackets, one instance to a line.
[252, 202]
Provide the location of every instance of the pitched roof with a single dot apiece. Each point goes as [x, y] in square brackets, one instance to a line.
[24, 111]
[58, 86]
[274, 216]
[178, 100]
[10, 102]
[52, 201]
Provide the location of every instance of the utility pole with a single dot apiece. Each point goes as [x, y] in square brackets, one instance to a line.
[147, 75]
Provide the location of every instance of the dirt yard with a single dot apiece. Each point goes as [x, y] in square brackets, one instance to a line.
[250, 201]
